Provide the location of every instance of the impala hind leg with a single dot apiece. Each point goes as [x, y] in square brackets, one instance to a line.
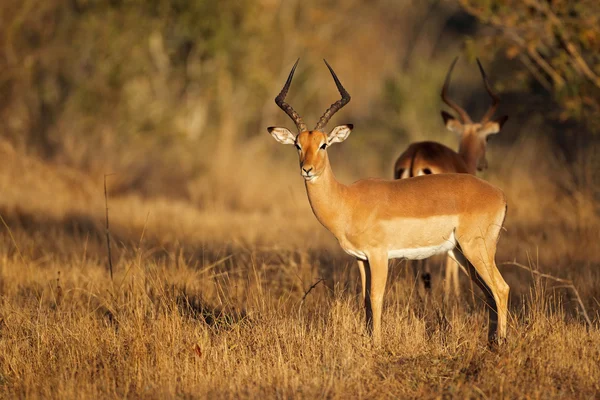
[479, 262]
[376, 271]
[363, 277]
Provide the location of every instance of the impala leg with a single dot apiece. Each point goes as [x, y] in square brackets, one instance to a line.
[451, 278]
[363, 277]
[484, 272]
[376, 279]
[501, 293]
[425, 274]
[421, 270]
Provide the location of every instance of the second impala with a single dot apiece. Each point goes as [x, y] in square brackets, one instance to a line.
[424, 158]
[375, 220]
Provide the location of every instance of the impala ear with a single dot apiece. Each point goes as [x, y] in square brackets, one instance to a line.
[493, 127]
[282, 135]
[339, 134]
[452, 124]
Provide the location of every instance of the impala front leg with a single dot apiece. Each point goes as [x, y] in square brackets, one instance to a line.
[451, 283]
[376, 278]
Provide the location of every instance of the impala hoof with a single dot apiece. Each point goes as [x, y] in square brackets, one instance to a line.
[495, 343]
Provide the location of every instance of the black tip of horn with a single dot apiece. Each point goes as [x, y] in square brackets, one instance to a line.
[291, 75]
[447, 80]
[481, 69]
[337, 81]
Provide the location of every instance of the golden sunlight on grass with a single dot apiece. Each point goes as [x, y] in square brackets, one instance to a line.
[225, 285]
[214, 303]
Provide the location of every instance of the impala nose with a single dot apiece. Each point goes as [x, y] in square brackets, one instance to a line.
[307, 170]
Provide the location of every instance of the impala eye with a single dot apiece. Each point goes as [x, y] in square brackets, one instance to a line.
[323, 146]
[297, 146]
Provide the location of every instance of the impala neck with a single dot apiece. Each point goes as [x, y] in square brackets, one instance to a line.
[470, 157]
[326, 198]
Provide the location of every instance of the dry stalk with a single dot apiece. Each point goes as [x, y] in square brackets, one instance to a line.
[567, 283]
[110, 264]
[14, 242]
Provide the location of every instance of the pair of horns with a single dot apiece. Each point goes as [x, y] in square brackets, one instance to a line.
[464, 116]
[335, 107]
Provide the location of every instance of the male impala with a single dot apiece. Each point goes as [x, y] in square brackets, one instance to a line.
[424, 158]
[375, 220]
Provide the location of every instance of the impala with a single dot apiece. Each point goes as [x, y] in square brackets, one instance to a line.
[375, 220]
[424, 158]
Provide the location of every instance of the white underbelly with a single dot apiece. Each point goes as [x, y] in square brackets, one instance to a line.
[420, 253]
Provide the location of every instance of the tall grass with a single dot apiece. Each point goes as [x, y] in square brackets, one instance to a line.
[209, 301]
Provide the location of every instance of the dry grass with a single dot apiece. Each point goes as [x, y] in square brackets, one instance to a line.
[209, 302]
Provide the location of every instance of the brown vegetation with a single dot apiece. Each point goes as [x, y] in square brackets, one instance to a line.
[210, 303]
[214, 244]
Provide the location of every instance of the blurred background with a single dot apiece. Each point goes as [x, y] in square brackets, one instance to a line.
[173, 97]
[217, 257]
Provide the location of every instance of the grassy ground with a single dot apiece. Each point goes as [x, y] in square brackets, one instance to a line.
[214, 302]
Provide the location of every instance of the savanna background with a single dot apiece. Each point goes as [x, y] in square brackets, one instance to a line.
[223, 283]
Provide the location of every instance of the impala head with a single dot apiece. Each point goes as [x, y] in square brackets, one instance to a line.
[473, 135]
[311, 144]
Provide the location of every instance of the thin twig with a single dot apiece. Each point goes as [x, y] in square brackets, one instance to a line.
[567, 283]
[110, 264]
[310, 290]
[541, 79]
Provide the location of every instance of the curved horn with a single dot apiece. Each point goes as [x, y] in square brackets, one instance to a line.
[494, 96]
[465, 119]
[279, 100]
[335, 107]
